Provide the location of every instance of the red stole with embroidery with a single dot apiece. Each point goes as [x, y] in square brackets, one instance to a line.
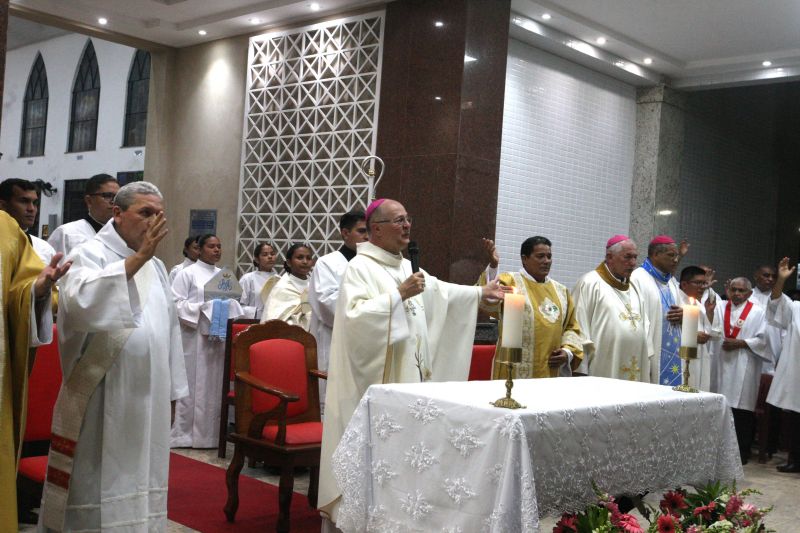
[732, 333]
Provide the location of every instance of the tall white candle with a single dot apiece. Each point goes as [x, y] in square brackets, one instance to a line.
[513, 306]
[689, 324]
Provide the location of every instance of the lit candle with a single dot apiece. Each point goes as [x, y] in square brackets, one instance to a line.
[513, 306]
[691, 318]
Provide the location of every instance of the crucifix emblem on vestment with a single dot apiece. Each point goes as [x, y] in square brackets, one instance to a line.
[632, 369]
[630, 315]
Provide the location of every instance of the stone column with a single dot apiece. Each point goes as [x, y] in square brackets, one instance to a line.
[656, 194]
[440, 125]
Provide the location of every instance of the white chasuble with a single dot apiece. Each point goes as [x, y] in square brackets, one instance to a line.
[785, 390]
[288, 301]
[774, 335]
[252, 283]
[615, 327]
[197, 416]
[739, 371]
[121, 460]
[379, 338]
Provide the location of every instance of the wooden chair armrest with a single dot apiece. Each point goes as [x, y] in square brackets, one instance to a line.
[250, 379]
[318, 373]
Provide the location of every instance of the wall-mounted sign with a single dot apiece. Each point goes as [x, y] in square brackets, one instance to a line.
[202, 221]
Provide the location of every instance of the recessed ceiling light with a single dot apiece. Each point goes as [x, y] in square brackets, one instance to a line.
[254, 20]
[202, 32]
[648, 60]
[601, 40]
[469, 59]
[546, 16]
[102, 21]
[620, 64]
[314, 6]
[665, 212]
[779, 69]
[437, 98]
[438, 23]
[767, 63]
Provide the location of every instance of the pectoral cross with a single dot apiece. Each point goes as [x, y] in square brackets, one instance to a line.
[632, 370]
[633, 317]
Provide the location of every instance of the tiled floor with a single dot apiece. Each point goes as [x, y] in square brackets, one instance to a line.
[780, 490]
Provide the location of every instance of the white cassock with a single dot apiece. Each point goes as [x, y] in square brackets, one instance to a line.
[648, 289]
[739, 371]
[615, 327]
[288, 301]
[42, 249]
[774, 334]
[68, 236]
[785, 390]
[703, 370]
[173, 272]
[121, 460]
[323, 293]
[197, 416]
[251, 284]
[379, 338]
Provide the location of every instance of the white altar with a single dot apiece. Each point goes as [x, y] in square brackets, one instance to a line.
[438, 457]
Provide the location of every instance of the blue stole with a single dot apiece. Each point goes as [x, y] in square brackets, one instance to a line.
[219, 319]
[670, 362]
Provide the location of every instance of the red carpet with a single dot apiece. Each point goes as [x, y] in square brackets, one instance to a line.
[197, 494]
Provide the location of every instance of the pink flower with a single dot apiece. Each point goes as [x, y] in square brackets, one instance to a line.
[734, 504]
[693, 529]
[567, 523]
[705, 510]
[749, 509]
[667, 524]
[673, 501]
[614, 509]
[628, 524]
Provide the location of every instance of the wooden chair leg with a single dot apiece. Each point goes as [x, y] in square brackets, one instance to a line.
[223, 429]
[313, 486]
[232, 480]
[285, 488]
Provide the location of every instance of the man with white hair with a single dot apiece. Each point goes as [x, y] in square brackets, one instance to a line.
[742, 353]
[122, 361]
[613, 318]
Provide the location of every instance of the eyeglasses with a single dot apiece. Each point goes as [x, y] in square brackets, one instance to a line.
[399, 221]
[109, 196]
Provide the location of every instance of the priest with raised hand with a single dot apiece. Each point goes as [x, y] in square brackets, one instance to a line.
[741, 355]
[26, 321]
[613, 317]
[655, 281]
[122, 362]
[703, 374]
[392, 325]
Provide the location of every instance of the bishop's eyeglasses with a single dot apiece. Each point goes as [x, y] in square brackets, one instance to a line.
[399, 221]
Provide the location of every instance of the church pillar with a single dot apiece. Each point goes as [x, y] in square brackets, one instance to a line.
[440, 125]
[656, 194]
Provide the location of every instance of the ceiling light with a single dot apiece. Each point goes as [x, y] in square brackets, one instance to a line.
[648, 60]
[437, 98]
[620, 64]
[601, 40]
[546, 16]
[767, 63]
[102, 21]
[202, 32]
[779, 69]
[314, 6]
[254, 20]
[665, 212]
[469, 59]
[438, 23]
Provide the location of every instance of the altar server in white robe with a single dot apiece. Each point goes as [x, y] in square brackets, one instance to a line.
[20, 199]
[703, 374]
[196, 422]
[323, 288]
[613, 317]
[288, 299]
[741, 355]
[764, 280]
[99, 197]
[656, 283]
[391, 326]
[190, 253]
[122, 362]
[257, 285]
[785, 390]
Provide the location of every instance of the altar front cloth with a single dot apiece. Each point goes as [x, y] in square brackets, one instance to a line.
[438, 457]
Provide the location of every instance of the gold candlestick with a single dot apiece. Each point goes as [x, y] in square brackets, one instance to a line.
[508, 356]
[687, 354]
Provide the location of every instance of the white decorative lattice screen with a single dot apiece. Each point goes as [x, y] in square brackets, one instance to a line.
[310, 118]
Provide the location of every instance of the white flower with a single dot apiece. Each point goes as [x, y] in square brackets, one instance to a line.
[416, 505]
[382, 472]
[385, 425]
[420, 457]
[424, 410]
[458, 490]
[464, 440]
[509, 426]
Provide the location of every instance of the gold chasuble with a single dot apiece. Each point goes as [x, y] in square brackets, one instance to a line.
[548, 323]
[19, 266]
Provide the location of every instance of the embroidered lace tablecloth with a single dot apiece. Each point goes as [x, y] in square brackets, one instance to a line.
[438, 457]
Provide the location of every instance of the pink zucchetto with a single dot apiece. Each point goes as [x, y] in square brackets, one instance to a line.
[373, 206]
[662, 239]
[615, 239]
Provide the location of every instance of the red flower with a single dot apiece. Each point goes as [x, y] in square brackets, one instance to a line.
[628, 524]
[667, 524]
[705, 510]
[673, 501]
[567, 523]
[734, 504]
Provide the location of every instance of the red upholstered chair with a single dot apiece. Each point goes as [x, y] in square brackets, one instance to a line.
[277, 409]
[480, 369]
[43, 386]
[235, 326]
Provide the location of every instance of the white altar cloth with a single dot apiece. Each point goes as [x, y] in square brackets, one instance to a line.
[438, 457]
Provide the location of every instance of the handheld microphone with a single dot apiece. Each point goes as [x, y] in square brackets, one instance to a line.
[413, 256]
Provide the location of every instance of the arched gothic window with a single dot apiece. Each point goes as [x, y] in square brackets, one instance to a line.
[85, 103]
[136, 103]
[34, 111]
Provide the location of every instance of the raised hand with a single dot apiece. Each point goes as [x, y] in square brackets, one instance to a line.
[156, 230]
[784, 271]
[494, 291]
[683, 248]
[490, 251]
[49, 275]
[413, 285]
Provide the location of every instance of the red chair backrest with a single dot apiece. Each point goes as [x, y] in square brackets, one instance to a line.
[480, 369]
[236, 328]
[280, 363]
[43, 386]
